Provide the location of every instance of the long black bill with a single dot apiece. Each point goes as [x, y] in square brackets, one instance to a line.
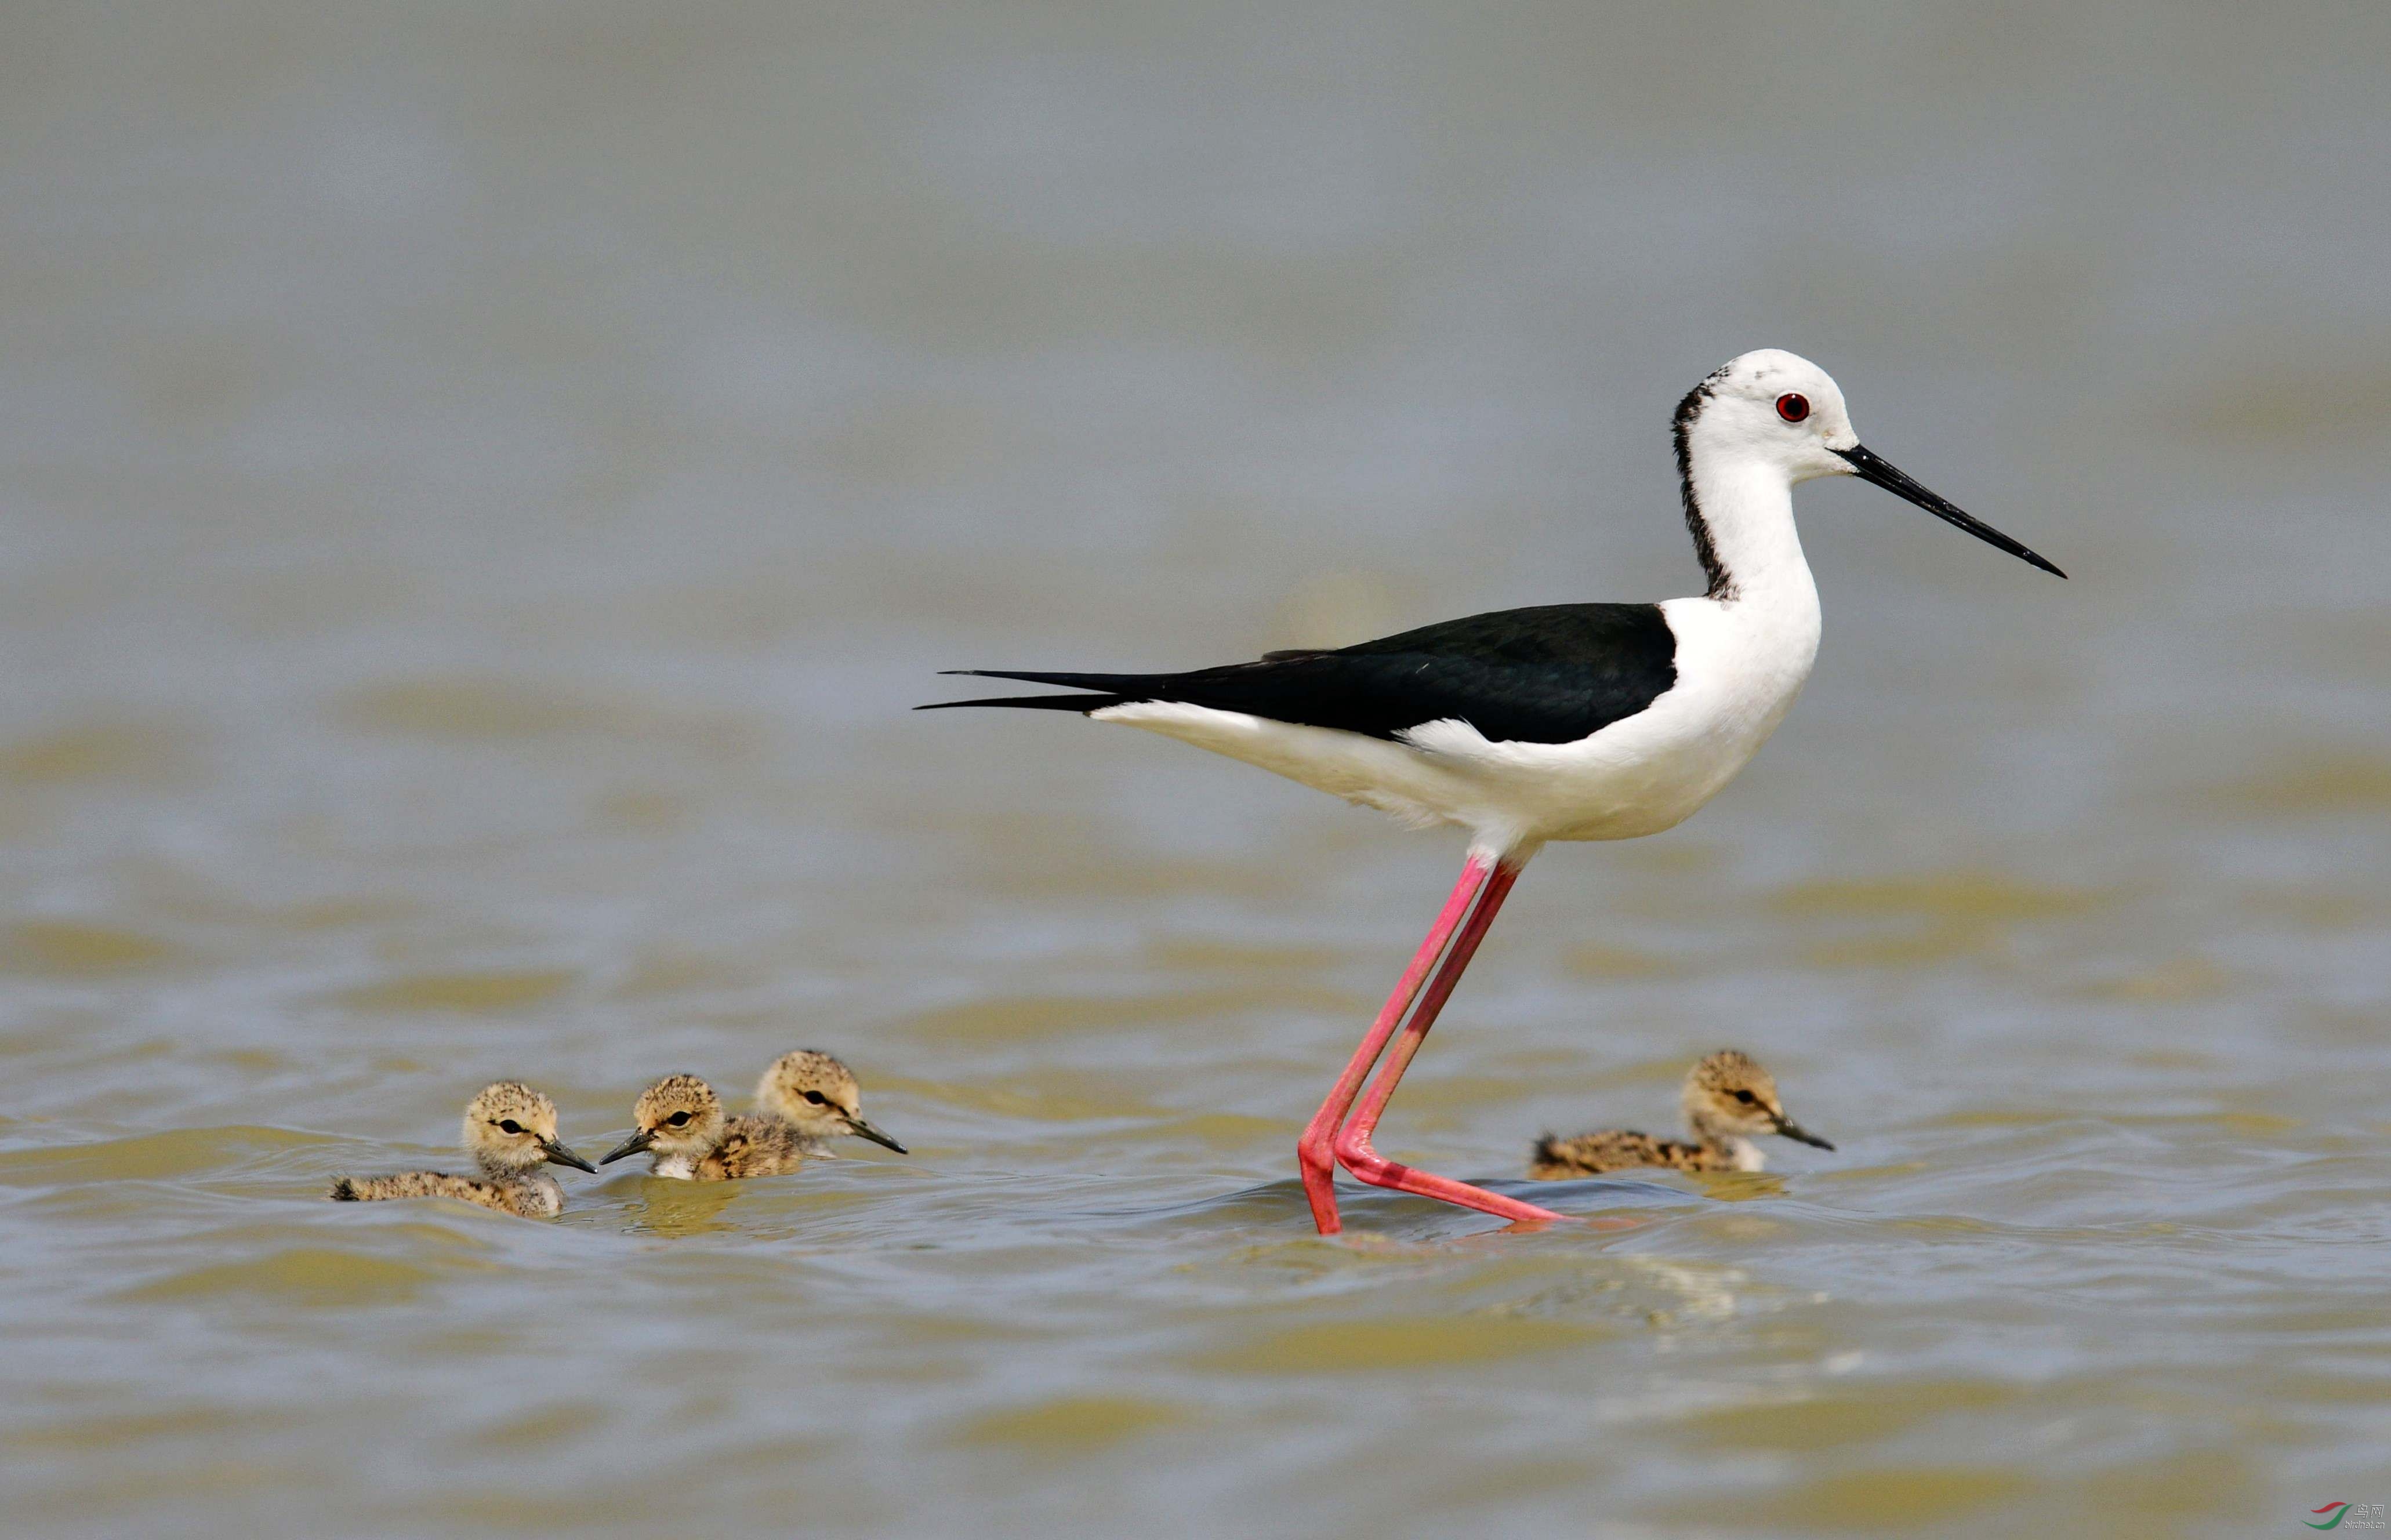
[563, 1156]
[1877, 470]
[1792, 1130]
[632, 1146]
[861, 1130]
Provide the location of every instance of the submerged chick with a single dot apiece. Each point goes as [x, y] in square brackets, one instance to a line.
[510, 1132]
[678, 1123]
[1727, 1097]
[817, 1096]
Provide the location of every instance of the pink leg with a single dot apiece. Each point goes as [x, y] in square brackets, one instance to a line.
[1353, 1142]
[1316, 1152]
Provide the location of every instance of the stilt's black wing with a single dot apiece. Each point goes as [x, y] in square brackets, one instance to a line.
[1548, 675]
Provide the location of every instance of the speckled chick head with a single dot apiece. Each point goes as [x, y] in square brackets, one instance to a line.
[1729, 1093]
[817, 1094]
[511, 1132]
[679, 1116]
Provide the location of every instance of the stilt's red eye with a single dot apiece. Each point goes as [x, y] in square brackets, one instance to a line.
[1792, 408]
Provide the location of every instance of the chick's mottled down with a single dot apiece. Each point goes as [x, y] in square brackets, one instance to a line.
[758, 1144]
[1728, 1097]
[510, 1132]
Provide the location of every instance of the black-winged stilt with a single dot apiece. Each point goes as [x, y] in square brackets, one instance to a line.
[1558, 722]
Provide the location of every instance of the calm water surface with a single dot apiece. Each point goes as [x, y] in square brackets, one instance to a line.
[482, 486]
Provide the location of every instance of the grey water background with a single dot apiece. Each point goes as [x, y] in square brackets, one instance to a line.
[481, 485]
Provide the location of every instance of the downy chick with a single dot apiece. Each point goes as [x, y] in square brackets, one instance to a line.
[817, 1096]
[1727, 1097]
[510, 1132]
[678, 1122]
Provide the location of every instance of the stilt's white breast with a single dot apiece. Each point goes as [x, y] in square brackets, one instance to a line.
[1740, 662]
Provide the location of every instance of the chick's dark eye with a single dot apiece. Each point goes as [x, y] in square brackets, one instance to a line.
[1746, 1097]
[1792, 407]
[677, 1120]
[510, 1126]
[816, 1097]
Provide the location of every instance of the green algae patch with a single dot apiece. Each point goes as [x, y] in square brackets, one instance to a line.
[1069, 1424]
[300, 1276]
[463, 993]
[1893, 1501]
[1955, 898]
[147, 1157]
[1331, 1347]
[71, 948]
[96, 752]
[1923, 919]
[499, 710]
[1843, 1420]
[2319, 782]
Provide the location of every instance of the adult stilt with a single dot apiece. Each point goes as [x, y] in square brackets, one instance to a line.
[1554, 722]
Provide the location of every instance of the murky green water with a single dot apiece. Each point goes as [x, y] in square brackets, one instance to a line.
[483, 485]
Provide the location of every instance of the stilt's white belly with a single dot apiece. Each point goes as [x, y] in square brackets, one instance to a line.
[1739, 666]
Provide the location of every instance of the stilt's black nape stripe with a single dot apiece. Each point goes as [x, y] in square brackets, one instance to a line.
[1877, 470]
[1680, 428]
[1553, 674]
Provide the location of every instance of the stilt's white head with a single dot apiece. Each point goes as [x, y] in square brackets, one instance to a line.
[1773, 406]
[1774, 418]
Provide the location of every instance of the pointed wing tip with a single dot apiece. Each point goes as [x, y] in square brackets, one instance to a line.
[1083, 704]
